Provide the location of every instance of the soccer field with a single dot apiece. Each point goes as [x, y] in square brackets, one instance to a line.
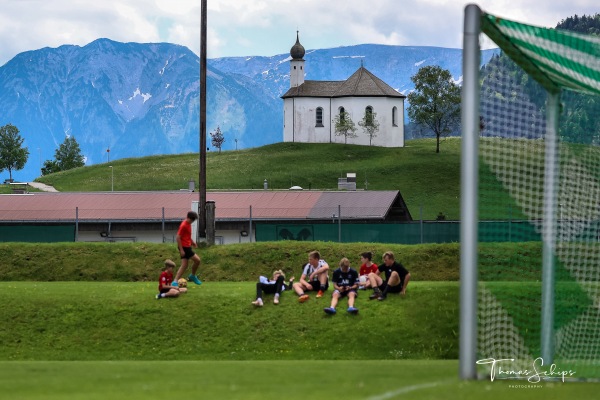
[265, 380]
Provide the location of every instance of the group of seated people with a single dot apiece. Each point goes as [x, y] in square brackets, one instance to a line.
[389, 277]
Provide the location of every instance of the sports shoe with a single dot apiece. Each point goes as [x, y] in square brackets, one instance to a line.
[303, 298]
[258, 302]
[157, 296]
[174, 283]
[329, 310]
[276, 299]
[319, 294]
[374, 296]
[194, 279]
[382, 297]
[352, 310]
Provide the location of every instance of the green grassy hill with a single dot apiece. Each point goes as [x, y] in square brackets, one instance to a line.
[424, 178]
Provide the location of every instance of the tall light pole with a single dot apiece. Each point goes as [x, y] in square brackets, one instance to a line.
[112, 178]
[202, 175]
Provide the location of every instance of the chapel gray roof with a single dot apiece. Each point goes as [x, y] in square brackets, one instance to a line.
[362, 83]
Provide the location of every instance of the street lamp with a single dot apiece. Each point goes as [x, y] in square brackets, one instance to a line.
[112, 178]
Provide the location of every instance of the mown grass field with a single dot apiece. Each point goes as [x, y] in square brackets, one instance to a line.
[266, 380]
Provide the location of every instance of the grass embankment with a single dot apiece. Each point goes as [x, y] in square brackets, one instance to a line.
[423, 177]
[216, 321]
[128, 262]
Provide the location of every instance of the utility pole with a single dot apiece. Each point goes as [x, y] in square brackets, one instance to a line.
[202, 176]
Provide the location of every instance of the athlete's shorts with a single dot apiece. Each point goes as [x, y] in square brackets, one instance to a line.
[392, 289]
[344, 294]
[316, 285]
[189, 253]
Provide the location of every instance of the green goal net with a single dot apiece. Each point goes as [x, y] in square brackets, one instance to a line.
[538, 203]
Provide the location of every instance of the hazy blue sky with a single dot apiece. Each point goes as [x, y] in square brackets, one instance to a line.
[259, 27]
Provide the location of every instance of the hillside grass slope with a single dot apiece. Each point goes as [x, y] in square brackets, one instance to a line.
[135, 262]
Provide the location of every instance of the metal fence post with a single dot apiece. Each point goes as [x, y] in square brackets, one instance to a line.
[421, 218]
[250, 230]
[339, 223]
[163, 224]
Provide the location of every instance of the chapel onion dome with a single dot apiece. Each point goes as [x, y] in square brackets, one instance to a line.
[297, 51]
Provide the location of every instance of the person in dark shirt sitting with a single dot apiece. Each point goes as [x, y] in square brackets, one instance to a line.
[345, 283]
[396, 278]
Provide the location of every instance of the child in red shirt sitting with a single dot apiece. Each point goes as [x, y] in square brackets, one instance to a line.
[165, 288]
[365, 269]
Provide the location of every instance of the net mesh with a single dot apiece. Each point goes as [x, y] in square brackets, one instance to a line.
[512, 153]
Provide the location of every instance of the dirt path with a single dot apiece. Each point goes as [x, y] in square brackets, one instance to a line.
[42, 186]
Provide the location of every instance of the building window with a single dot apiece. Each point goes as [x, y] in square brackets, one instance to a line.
[342, 112]
[369, 115]
[319, 121]
[394, 116]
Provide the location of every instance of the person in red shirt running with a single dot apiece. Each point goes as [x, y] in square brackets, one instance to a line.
[165, 287]
[365, 269]
[184, 244]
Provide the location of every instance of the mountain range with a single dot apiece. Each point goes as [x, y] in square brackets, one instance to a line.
[123, 100]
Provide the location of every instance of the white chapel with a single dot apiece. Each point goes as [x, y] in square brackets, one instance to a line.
[309, 107]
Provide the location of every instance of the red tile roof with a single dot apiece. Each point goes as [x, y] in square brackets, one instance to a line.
[148, 206]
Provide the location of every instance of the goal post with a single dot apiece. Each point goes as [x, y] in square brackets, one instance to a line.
[468, 196]
[530, 199]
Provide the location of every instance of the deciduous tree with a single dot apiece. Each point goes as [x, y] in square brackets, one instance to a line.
[344, 126]
[67, 156]
[435, 102]
[369, 124]
[13, 156]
